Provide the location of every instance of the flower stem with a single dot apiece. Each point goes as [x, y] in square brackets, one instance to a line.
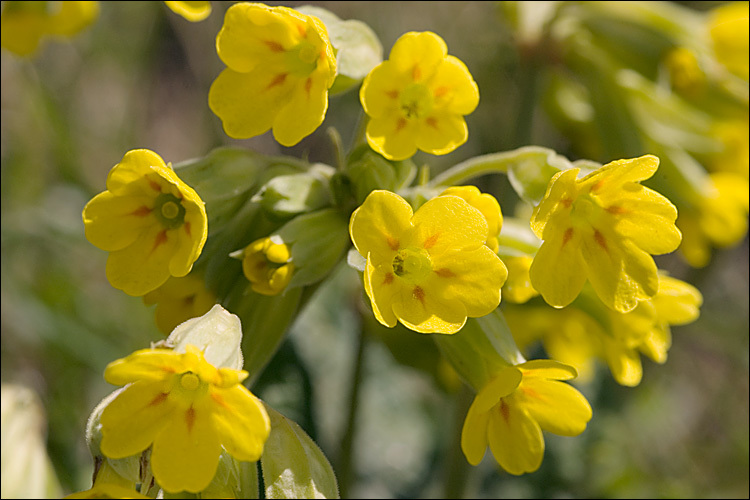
[457, 469]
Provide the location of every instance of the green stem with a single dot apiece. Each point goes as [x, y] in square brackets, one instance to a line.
[345, 458]
[493, 163]
[338, 148]
[457, 469]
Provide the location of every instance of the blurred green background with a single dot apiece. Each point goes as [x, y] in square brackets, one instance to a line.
[138, 78]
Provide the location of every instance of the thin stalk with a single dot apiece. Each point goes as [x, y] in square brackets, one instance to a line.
[457, 469]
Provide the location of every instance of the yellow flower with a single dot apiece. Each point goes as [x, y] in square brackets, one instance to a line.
[685, 71]
[511, 411]
[485, 203]
[429, 269]
[517, 288]
[728, 27]
[153, 224]
[734, 157]
[187, 410]
[602, 228]
[719, 218]
[192, 11]
[280, 65]
[268, 266]
[418, 99]
[178, 300]
[23, 25]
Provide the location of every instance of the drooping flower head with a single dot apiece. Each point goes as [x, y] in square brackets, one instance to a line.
[151, 222]
[280, 65]
[485, 203]
[186, 410]
[23, 25]
[431, 269]
[417, 99]
[602, 228]
[510, 412]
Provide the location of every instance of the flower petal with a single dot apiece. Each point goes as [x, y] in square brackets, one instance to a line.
[131, 421]
[472, 277]
[382, 288]
[114, 222]
[248, 103]
[647, 218]
[558, 270]
[392, 136]
[424, 311]
[241, 422]
[503, 384]
[453, 87]
[304, 111]
[625, 364]
[474, 435]
[560, 190]
[186, 453]
[441, 133]
[145, 364]
[419, 54]
[381, 89]
[515, 439]
[609, 180]
[557, 407]
[447, 223]
[377, 226]
[547, 369]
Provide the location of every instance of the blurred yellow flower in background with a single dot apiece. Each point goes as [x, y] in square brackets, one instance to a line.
[24, 25]
[192, 11]
[178, 300]
[152, 224]
[417, 99]
[280, 65]
[728, 26]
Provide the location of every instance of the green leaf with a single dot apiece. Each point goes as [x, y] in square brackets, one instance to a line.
[293, 465]
[285, 196]
[358, 48]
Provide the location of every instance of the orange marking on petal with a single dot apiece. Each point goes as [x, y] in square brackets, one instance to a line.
[393, 94]
[277, 81]
[597, 186]
[388, 279]
[566, 202]
[154, 185]
[416, 73]
[190, 418]
[600, 240]
[302, 30]
[616, 210]
[418, 294]
[187, 228]
[432, 122]
[220, 401]
[504, 410]
[400, 124]
[568, 234]
[274, 46]
[531, 393]
[430, 242]
[161, 238]
[159, 399]
[445, 273]
[141, 211]
[308, 86]
[440, 91]
[392, 242]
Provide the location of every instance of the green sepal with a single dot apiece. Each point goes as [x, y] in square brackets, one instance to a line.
[370, 171]
[530, 175]
[285, 196]
[318, 241]
[358, 48]
[293, 465]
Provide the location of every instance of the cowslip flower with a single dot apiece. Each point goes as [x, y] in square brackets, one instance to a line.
[728, 28]
[602, 228]
[485, 203]
[23, 25]
[417, 99]
[192, 11]
[178, 300]
[152, 224]
[267, 265]
[510, 412]
[517, 288]
[186, 410]
[280, 65]
[431, 269]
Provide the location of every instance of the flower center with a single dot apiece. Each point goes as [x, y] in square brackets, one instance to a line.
[416, 101]
[190, 381]
[412, 264]
[169, 210]
[303, 58]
